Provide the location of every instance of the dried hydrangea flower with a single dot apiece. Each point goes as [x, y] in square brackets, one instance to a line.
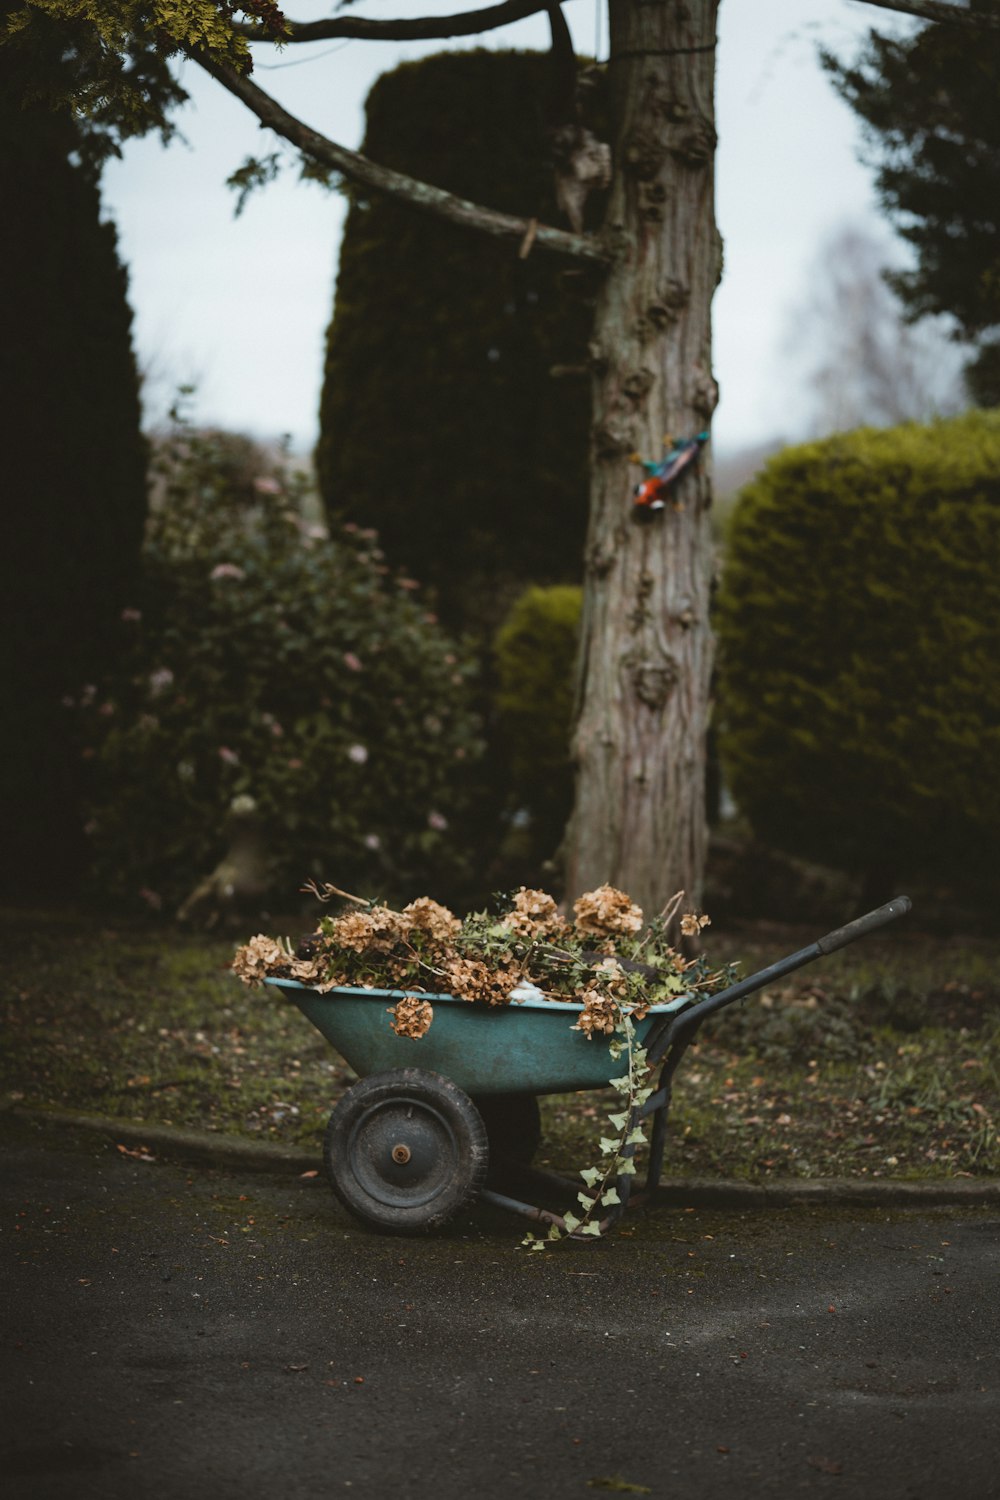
[607, 910]
[692, 923]
[361, 931]
[471, 979]
[412, 1016]
[425, 915]
[611, 978]
[259, 958]
[533, 914]
[600, 1013]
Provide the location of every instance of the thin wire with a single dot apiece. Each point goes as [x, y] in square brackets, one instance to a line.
[316, 57]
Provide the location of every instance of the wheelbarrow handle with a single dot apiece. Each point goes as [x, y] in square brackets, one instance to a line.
[862, 926]
[686, 1022]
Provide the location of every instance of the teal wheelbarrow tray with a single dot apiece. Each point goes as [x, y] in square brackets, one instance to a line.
[407, 1146]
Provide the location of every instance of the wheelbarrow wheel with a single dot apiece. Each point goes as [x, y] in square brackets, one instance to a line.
[513, 1128]
[404, 1150]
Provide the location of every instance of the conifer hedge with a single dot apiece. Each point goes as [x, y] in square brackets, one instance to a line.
[859, 627]
[74, 469]
[441, 423]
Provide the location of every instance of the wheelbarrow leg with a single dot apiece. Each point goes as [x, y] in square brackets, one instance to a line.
[658, 1105]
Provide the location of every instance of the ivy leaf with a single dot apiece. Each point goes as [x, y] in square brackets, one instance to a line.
[571, 1221]
[610, 1197]
[592, 1228]
[538, 1245]
[636, 1137]
[621, 1084]
[590, 1176]
[626, 1167]
[607, 1145]
[619, 1121]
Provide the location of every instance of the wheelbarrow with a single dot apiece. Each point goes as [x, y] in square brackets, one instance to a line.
[407, 1146]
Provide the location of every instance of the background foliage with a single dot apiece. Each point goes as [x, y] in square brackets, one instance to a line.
[859, 624]
[263, 658]
[441, 423]
[535, 651]
[929, 105]
[74, 463]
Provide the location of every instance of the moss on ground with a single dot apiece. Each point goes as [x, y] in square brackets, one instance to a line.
[882, 1061]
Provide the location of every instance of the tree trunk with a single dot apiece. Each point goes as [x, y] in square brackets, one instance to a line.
[646, 649]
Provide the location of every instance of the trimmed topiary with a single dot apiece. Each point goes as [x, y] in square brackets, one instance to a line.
[74, 465]
[456, 405]
[859, 627]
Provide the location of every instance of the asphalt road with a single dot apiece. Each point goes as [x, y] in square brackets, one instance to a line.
[187, 1333]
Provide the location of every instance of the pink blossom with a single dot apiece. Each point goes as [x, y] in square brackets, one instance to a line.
[407, 583]
[372, 841]
[226, 570]
[352, 661]
[106, 710]
[160, 680]
[227, 756]
[131, 615]
[294, 764]
[437, 821]
[264, 485]
[358, 754]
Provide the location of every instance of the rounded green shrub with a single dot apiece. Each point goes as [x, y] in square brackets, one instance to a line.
[859, 627]
[268, 658]
[535, 653]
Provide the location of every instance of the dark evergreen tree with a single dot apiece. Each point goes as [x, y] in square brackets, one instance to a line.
[931, 109]
[454, 414]
[73, 468]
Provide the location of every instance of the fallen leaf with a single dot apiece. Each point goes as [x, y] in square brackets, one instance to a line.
[295, 1369]
[619, 1485]
[313, 1173]
[826, 1465]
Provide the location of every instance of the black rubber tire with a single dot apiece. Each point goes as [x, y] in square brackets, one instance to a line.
[404, 1150]
[513, 1127]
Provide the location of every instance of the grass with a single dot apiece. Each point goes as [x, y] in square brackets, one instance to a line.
[881, 1061]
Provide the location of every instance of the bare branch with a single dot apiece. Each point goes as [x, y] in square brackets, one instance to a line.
[940, 11]
[420, 195]
[420, 28]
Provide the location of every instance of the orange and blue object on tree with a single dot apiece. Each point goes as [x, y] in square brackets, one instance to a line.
[682, 453]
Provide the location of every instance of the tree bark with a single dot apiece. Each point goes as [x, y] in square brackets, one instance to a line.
[646, 650]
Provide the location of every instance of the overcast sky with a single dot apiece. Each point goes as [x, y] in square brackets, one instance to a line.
[240, 306]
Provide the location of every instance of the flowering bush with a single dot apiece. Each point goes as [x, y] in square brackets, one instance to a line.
[270, 659]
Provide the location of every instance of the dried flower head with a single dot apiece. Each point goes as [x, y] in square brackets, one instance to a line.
[377, 929]
[533, 914]
[486, 984]
[412, 1016]
[693, 922]
[425, 915]
[259, 958]
[610, 978]
[607, 910]
[600, 1013]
